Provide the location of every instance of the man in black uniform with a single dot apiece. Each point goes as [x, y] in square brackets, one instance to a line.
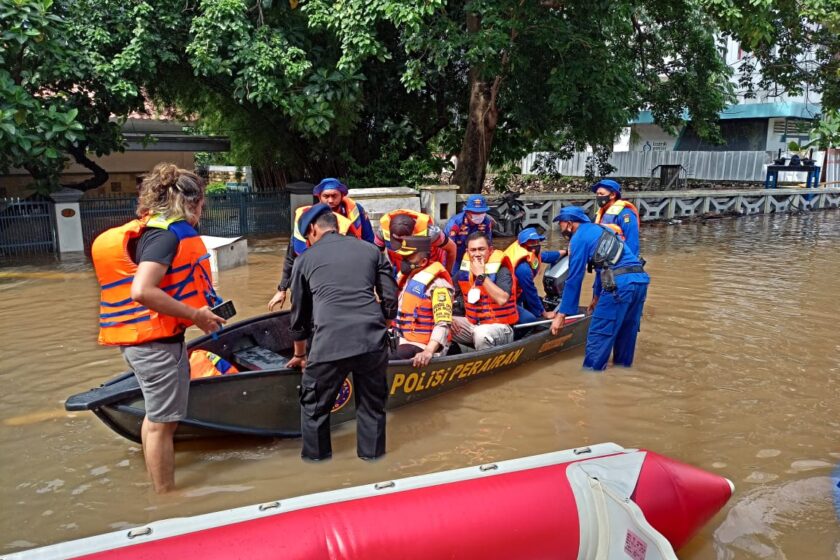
[334, 287]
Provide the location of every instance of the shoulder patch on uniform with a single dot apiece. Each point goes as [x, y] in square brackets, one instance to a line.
[627, 219]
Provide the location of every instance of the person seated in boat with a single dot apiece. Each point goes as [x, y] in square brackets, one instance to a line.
[139, 265]
[621, 285]
[399, 224]
[474, 217]
[525, 256]
[486, 284]
[352, 220]
[424, 315]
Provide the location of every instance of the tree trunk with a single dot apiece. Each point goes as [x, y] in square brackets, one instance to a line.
[478, 138]
[99, 174]
[483, 117]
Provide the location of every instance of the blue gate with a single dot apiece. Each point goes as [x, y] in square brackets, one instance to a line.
[27, 227]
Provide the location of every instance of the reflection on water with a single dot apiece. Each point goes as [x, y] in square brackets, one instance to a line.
[737, 372]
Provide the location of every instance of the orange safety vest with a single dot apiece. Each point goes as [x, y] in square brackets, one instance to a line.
[299, 242]
[415, 318]
[485, 310]
[351, 212]
[208, 364]
[517, 253]
[615, 209]
[123, 321]
[422, 223]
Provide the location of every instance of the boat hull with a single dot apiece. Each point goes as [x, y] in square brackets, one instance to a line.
[265, 402]
[598, 502]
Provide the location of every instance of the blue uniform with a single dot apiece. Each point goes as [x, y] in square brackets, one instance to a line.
[618, 315]
[529, 302]
[458, 228]
[367, 229]
[629, 224]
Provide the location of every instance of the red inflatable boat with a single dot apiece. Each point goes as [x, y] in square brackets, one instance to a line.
[599, 502]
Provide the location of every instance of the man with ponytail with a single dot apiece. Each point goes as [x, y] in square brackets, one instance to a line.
[155, 281]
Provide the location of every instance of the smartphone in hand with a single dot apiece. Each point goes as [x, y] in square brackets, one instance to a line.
[224, 310]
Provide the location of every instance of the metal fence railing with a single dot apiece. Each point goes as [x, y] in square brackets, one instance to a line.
[231, 214]
[244, 213]
[104, 212]
[27, 227]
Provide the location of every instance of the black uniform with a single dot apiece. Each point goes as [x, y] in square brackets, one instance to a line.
[334, 287]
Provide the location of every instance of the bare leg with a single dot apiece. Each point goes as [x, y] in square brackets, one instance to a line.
[159, 452]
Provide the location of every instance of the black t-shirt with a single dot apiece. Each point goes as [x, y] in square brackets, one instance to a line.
[160, 246]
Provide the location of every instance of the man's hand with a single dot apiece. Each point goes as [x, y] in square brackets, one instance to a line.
[549, 314]
[592, 305]
[422, 359]
[455, 327]
[557, 323]
[297, 363]
[206, 320]
[477, 265]
[278, 299]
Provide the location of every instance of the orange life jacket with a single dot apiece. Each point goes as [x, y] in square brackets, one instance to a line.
[208, 364]
[517, 253]
[123, 321]
[485, 310]
[351, 212]
[422, 224]
[614, 210]
[299, 242]
[415, 318]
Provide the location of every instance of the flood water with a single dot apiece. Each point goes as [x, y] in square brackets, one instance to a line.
[737, 371]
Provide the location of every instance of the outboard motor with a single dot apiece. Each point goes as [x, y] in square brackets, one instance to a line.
[554, 279]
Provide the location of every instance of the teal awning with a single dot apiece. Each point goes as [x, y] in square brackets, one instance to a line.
[752, 111]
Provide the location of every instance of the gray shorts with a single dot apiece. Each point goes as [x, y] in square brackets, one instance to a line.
[163, 372]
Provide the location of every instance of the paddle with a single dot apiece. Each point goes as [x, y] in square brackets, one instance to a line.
[547, 321]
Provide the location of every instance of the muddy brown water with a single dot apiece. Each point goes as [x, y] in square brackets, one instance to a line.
[737, 372]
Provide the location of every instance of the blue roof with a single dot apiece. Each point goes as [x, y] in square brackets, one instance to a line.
[751, 111]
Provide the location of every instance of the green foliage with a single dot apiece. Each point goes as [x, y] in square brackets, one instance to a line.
[826, 133]
[792, 46]
[216, 187]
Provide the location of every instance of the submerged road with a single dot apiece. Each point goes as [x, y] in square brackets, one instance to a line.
[738, 372]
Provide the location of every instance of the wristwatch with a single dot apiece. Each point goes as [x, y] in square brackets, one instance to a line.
[479, 280]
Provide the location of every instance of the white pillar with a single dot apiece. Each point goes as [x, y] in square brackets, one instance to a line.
[439, 202]
[68, 220]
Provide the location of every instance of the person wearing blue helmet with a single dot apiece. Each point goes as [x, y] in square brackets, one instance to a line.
[353, 220]
[474, 217]
[620, 288]
[613, 210]
[525, 255]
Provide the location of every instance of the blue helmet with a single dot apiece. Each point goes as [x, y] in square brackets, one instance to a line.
[310, 215]
[329, 184]
[608, 184]
[572, 214]
[529, 234]
[476, 203]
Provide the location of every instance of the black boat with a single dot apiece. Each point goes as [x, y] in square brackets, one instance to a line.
[262, 400]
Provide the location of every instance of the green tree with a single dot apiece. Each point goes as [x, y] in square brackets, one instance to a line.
[70, 71]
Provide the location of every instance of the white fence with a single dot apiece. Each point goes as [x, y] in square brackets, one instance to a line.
[707, 166]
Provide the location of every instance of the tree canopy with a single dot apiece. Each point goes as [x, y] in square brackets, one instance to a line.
[381, 92]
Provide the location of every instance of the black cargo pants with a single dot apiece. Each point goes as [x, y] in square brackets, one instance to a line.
[320, 385]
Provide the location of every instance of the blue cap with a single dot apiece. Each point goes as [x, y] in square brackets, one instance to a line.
[529, 234]
[476, 203]
[572, 214]
[329, 184]
[608, 184]
[309, 216]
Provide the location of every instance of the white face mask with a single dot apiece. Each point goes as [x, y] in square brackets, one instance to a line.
[476, 218]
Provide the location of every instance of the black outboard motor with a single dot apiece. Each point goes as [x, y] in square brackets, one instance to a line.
[553, 281]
